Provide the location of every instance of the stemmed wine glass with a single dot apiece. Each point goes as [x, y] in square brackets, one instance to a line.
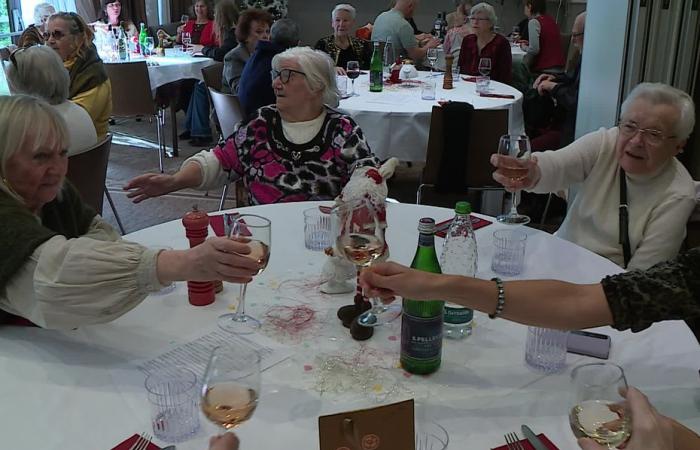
[485, 66]
[432, 56]
[517, 148]
[353, 71]
[255, 231]
[184, 18]
[599, 410]
[359, 235]
[231, 385]
[186, 41]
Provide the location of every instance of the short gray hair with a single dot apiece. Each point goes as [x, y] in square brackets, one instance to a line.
[660, 93]
[285, 33]
[27, 124]
[344, 7]
[39, 71]
[41, 7]
[319, 70]
[485, 8]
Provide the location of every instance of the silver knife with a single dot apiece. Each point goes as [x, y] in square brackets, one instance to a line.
[533, 439]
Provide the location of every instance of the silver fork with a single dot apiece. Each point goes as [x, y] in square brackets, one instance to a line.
[513, 442]
[142, 442]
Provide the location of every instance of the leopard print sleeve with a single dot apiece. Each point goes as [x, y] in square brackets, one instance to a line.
[667, 291]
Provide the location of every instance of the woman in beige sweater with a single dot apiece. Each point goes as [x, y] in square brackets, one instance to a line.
[656, 121]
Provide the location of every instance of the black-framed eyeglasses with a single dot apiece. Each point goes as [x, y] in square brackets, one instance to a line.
[284, 74]
[650, 136]
[14, 54]
[57, 35]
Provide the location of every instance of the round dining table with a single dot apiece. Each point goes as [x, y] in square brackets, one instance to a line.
[396, 121]
[67, 389]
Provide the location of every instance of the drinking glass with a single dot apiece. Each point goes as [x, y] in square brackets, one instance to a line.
[353, 71]
[432, 56]
[231, 385]
[172, 393]
[599, 410]
[186, 41]
[518, 148]
[485, 66]
[359, 237]
[149, 44]
[184, 18]
[255, 231]
[388, 57]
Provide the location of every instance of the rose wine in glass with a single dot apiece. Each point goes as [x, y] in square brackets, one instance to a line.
[353, 71]
[231, 385]
[255, 231]
[359, 235]
[485, 67]
[517, 148]
[599, 411]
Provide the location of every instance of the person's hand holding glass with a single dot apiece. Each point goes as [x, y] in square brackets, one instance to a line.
[514, 170]
[353, 71]
[255, 231]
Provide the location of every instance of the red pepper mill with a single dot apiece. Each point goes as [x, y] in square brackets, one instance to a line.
[196, 225]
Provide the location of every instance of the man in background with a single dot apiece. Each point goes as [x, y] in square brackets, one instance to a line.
[394, 24]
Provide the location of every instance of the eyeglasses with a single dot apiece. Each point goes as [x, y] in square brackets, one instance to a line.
[650, 136]
[57, 35]
[284, 74]
[14, 54]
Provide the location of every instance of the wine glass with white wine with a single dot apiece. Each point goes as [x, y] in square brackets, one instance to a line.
[517, 150]
[432, 56]
[256, 232]
[231, 385]
[600, 411]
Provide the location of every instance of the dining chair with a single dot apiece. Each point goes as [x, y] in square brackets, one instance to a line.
[87, 171]
[461, 141]
[213, 75]
[132, 97]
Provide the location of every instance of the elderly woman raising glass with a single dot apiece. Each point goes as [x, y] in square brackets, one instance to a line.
[62, 265]
[71, 38]
[342, 46]
[635, 196]
[253, 26]
[296, 150]
[485, 43]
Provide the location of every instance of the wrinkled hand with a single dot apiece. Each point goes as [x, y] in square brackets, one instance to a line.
[388, 280]
[220, 258]
[226, 441]
[340, 71]
[161, 34]
[546, 86]
[541, 78]
[506, 167]
[432, 42]
[180, 28]
[650, 430]
[149, 185]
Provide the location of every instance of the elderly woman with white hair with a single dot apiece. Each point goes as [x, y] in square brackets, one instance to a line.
[38, 71]
[635, 196]
[62, 266]
[296, 150]
[342, 46]
[485, 43]
[42, 12]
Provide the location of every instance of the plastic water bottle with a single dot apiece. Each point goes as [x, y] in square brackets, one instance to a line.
[459, 257]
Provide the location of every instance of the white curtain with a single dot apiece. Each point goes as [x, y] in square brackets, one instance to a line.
[84, 8]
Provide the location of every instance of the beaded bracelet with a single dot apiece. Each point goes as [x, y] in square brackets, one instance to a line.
[501, 298]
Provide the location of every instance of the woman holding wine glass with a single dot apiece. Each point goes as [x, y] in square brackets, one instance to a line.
[485, 43]
[517, 149]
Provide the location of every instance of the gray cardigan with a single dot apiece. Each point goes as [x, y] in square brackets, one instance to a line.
[234, 61]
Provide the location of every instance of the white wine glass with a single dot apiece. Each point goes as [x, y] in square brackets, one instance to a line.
[186, 41]
[149, 44]
[517, 148]
[359, 237]
[231, 385]
[485, 67]
[432, 56]
[600, 411]
[255, 231]
[353, 71]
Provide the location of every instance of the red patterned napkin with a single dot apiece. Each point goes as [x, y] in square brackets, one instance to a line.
[527, 446]
[485, 94]
[469, 79]
[129, 442]
[442, 227]
[217, 224]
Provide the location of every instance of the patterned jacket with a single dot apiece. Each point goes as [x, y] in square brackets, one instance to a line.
[667, 291]
[275, 170]
[359, 50]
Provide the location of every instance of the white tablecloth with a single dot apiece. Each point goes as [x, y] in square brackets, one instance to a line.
[396, 121]
[59, 391]
[517, 53]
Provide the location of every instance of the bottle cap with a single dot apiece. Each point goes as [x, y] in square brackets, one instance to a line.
[463, 208]
[426, 225]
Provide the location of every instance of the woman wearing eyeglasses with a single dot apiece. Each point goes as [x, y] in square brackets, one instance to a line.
[71, 38]
[635, 196]
[485, 43]
[299, 149]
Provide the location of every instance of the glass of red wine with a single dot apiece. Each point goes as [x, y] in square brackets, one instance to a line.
[255, 231]
[517, 150]
[353, 71]
[359, 238]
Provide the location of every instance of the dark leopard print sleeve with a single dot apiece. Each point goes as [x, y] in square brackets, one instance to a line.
[667, 291]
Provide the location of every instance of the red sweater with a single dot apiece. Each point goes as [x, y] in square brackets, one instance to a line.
[499, 52]
[207, 37]
[551, 54]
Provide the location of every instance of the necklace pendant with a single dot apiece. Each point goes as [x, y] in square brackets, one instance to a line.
[296, 156]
